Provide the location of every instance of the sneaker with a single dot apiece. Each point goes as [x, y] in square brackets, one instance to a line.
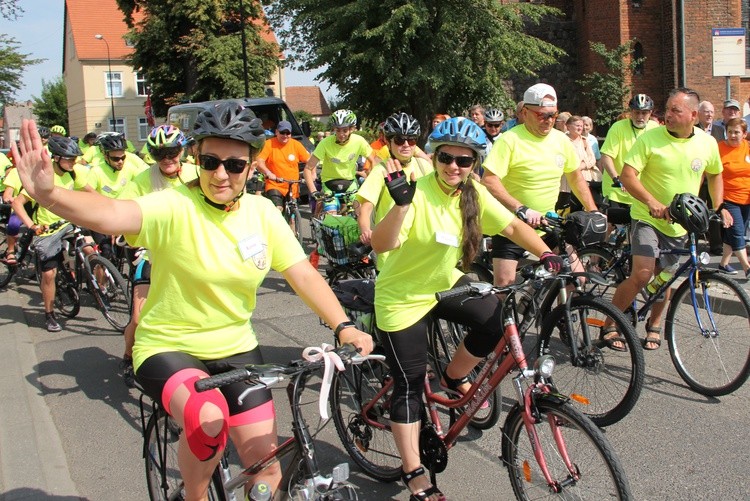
[52, 324]
[747, 274]
[728, 269]
[128, 375]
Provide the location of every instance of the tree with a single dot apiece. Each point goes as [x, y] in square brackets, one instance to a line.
[191, 50]
[52, 106]
[609, 91]
[315, 125]
[420, 57]
[10, 9]
[12, 65]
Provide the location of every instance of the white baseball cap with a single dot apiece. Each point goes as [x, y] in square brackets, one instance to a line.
[536, 94]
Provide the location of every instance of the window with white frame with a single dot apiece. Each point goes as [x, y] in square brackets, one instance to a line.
[143, 129]
[113, 83]
[141, 87]
[119, 125]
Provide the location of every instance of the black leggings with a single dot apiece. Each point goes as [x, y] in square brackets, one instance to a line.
[406, 350]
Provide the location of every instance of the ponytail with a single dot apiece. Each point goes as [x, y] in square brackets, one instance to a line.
[471, 237]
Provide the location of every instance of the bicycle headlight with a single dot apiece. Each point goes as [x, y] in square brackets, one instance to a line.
[704, 258]
[544, 365]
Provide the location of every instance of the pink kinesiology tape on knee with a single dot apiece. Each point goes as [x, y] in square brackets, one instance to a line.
[202, 445]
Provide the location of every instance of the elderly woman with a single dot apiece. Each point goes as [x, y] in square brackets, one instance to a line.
[735, 156]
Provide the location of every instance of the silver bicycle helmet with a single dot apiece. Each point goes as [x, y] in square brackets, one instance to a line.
[65, 147]
[401, 124]
[230, 120]
[343, 118]
[493, 115]
[113, 141]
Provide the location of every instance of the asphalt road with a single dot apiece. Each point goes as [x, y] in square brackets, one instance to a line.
[675, 445]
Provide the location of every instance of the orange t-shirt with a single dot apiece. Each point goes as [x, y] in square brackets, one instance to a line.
[283, 160]
[736, 174]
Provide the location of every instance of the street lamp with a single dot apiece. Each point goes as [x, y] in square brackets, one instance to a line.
[111, 92]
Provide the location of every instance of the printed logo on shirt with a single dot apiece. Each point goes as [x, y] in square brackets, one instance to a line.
[559, 161]
[291, 157]
[696, 164]
[260, 259]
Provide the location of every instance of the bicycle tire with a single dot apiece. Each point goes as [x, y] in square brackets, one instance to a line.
[297, 218]
[338, 273]
[67, 299]
[601, 473]
[6, 271]
[605, 384]
[160, 444]
[713, 365]
[443, 344]
[372, 449]
[115, 306]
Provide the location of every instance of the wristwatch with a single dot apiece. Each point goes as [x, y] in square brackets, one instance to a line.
[343, 325]
[521, 212]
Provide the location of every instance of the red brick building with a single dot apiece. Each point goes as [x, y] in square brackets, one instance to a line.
[674, 36]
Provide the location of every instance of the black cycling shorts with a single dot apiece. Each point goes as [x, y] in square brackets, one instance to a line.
[504, 248]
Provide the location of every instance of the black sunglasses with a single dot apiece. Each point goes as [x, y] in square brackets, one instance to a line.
[168, 152]
[231, 165]
[285, 132]
[400, 140]
[116, 159]
[461, 161]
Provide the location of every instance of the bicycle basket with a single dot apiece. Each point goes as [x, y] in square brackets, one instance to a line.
[357, 297]
[334, 235]
[585, 228]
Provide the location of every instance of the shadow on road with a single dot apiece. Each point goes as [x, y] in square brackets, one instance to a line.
[26, 493]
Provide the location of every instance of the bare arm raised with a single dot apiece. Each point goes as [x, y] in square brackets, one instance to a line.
[90, 210]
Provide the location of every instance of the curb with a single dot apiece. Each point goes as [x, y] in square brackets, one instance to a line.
[33, 464]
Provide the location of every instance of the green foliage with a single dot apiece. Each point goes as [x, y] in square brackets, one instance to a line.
[52, 106]
[610, 91]
[10, 9]
[315, 125]
[12, 65]
[192, 50]
[420, 57]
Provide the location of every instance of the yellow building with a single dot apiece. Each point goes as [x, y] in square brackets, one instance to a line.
[98, 77]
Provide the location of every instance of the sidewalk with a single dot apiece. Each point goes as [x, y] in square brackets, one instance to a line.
[33, 465]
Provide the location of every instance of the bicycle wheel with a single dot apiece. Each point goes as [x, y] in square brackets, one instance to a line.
[601, 476]
[6, 271]
[296, 217]
[163, 478]
[716, 361]
[603, 383]
[337, 273]
[443, 344]
[597, 259]
[371, 447]
[67, 300]
[114, 300]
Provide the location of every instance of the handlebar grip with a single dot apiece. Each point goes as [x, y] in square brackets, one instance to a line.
[456, 291]
[222, 379]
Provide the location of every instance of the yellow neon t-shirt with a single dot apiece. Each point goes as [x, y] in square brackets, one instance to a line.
[530, 167]
[44, 217]
[668, 165]
[620, 138]
[340, 160]
[425, 262]
[207, 267]
[4, 164]
[143, 183]
[108, 181]
[13, 180]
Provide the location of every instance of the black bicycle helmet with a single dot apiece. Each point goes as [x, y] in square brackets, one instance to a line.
[641, 102]
[112, 141]
[401, 124]
[65, 147]
[459, 131]
[493, 115]
[230, 120]
[690, 212]
[43, 132]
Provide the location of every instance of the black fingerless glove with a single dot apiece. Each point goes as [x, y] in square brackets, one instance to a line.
[400, 189]
[551, 261]
[616, 183]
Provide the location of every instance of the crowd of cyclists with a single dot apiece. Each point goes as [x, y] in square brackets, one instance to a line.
[208, 247]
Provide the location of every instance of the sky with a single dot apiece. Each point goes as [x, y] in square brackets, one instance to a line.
[40, 33]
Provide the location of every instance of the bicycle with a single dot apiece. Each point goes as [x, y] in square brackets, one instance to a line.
[566, 454]
[712, 360]
[290, 208]
[301, 478]
[112, 296]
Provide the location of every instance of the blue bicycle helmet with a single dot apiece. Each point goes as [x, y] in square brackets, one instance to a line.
[459, 131]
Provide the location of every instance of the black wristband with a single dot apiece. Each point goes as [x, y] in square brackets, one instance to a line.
[521, 212]
[343, 325]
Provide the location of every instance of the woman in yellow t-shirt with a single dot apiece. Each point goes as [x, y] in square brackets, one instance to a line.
[735, 157]
[211, 249]
[436, 222]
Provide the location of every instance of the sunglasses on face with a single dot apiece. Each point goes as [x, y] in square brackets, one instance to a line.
[231, 165]
[285, 132]
[400, 140]
[116, 159]
[544, 116]
[463, 162]
[494, 126]
[162, 153]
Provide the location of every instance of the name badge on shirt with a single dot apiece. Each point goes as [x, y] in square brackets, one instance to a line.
[446, 239]
[250, 246]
